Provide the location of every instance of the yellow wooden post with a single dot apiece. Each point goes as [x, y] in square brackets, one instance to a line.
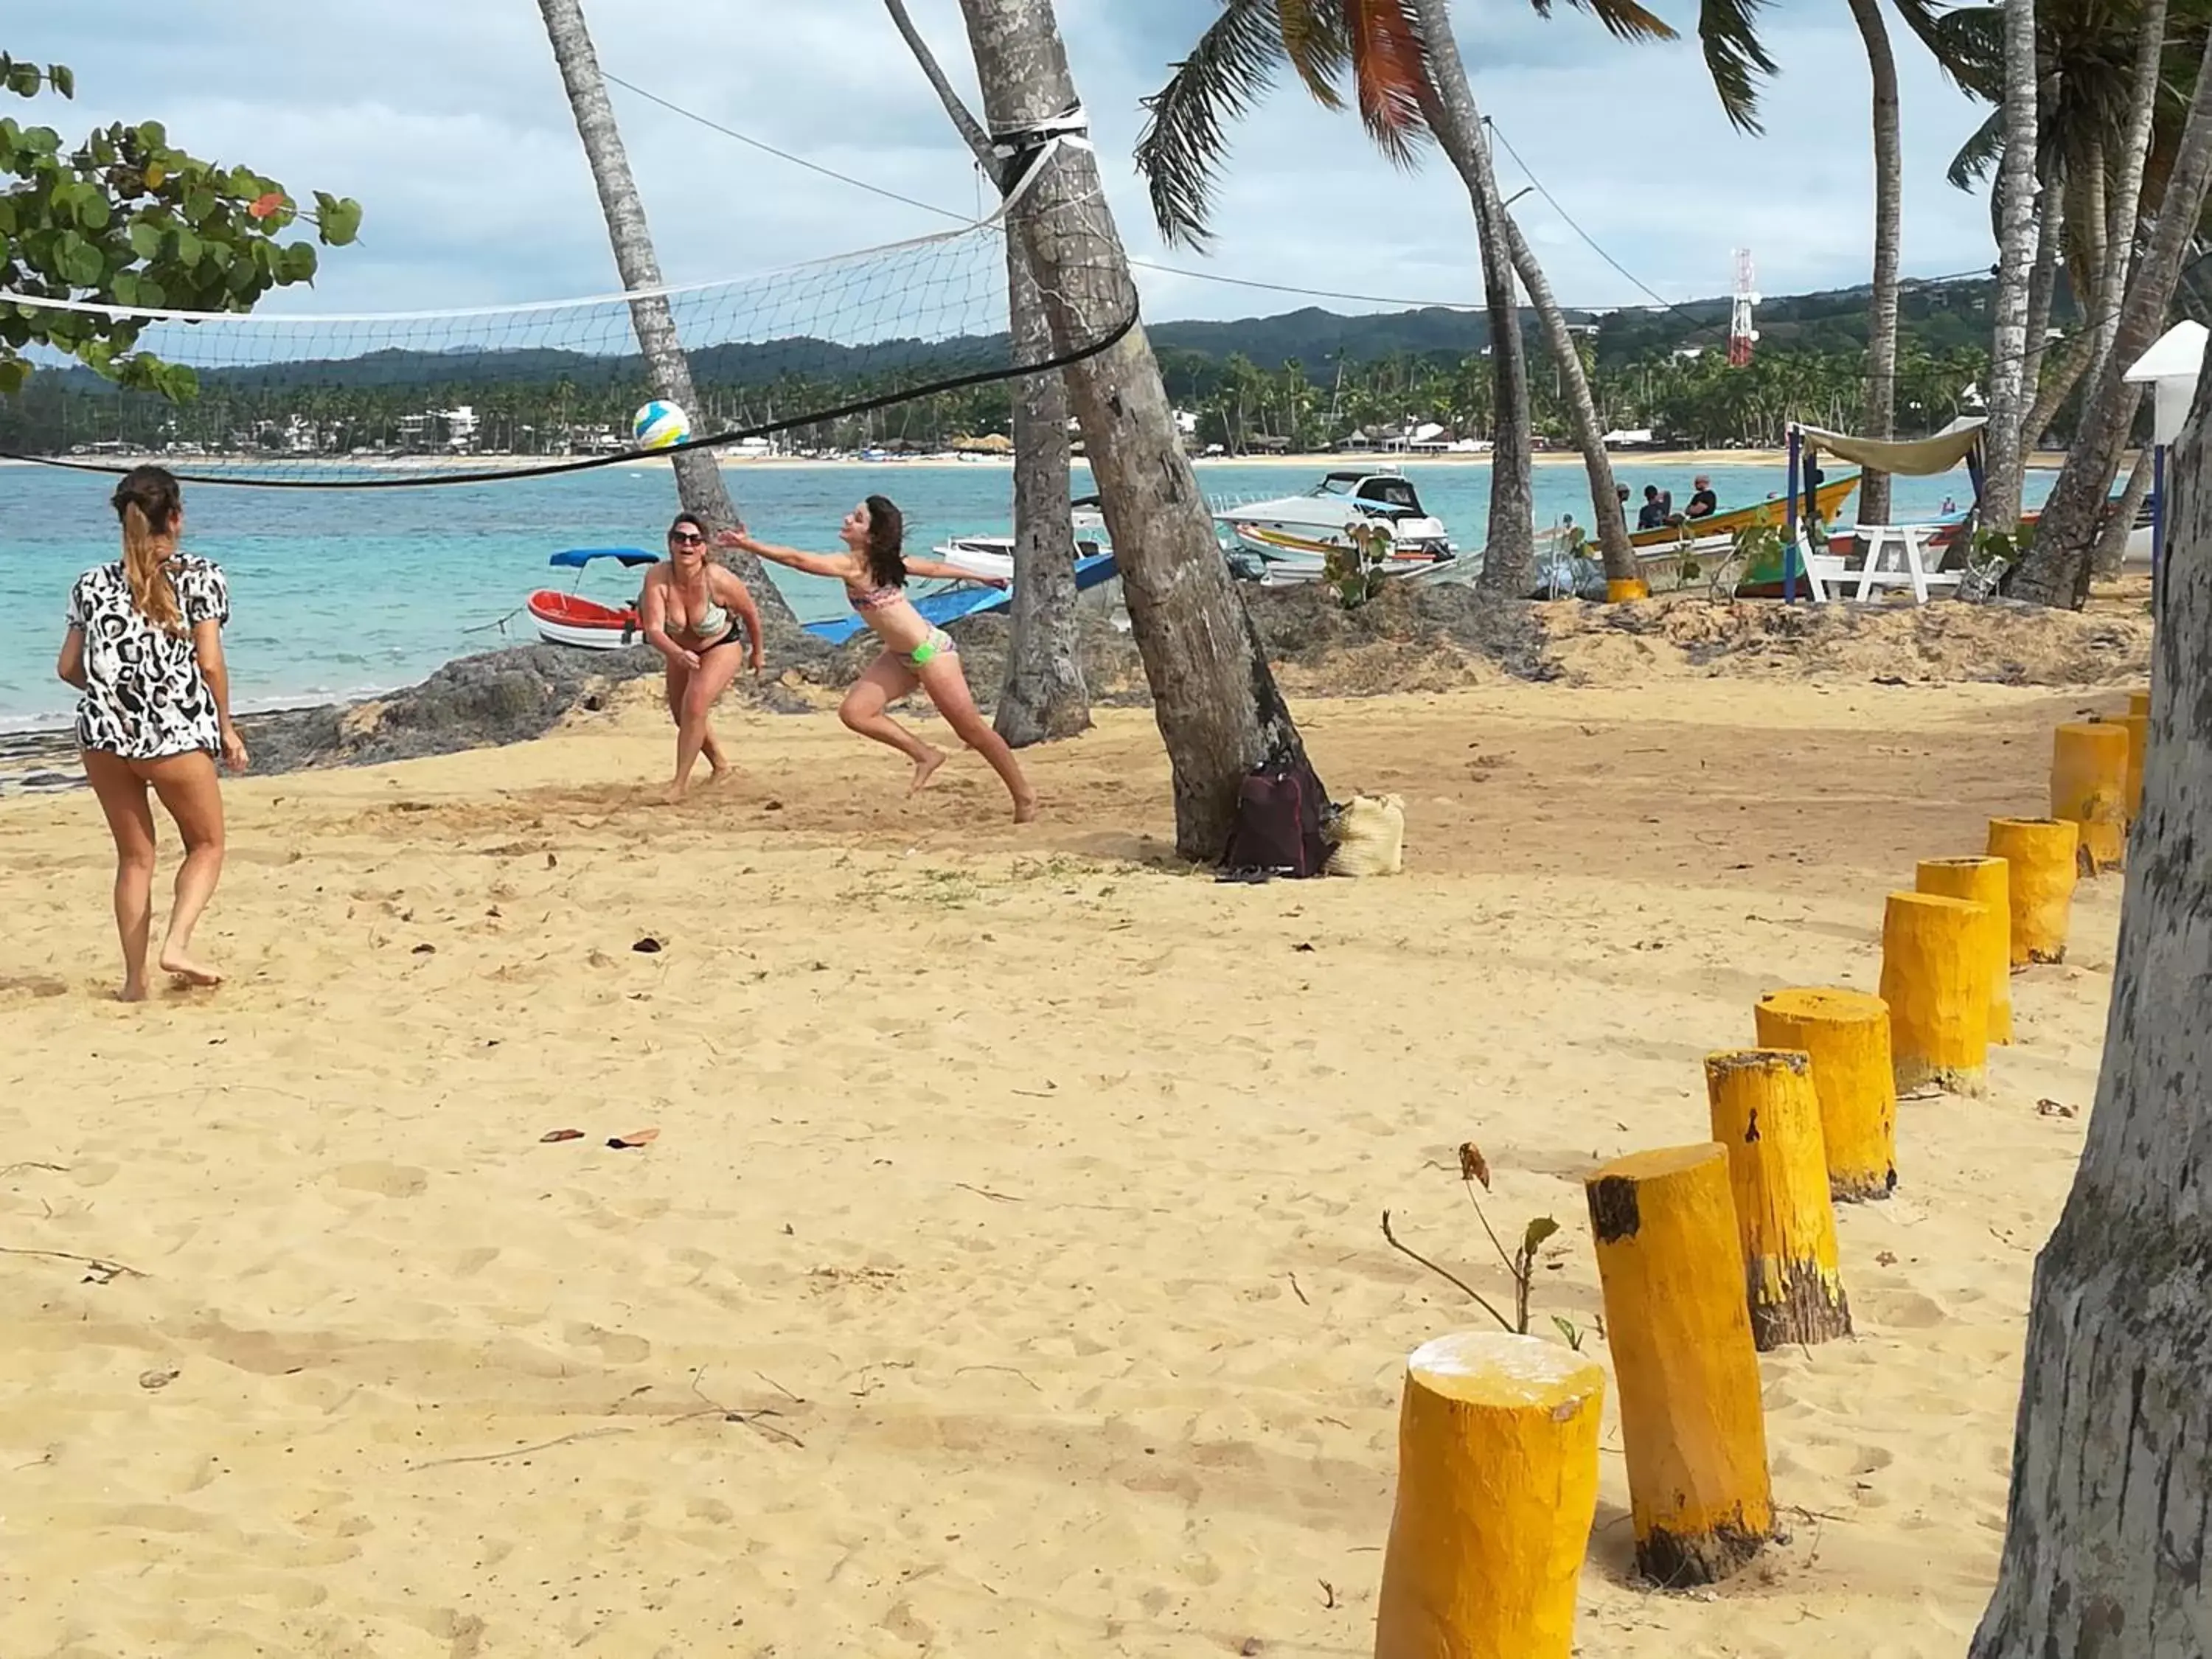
[1692, 1423]
[1621, 592]
[1497, 1488]
[2040, 871]
[1847, 1035]
[2089, 784]
[1765, 1111]
[1935, 977]
[2138, 727]
[1987, 882]
[2139, 702]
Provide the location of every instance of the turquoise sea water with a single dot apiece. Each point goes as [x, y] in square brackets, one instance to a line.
[340, 593]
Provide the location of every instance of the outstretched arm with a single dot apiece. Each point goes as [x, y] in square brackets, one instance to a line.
[938, 570]
[814, 564]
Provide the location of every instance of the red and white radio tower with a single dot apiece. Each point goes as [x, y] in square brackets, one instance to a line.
[1741, 335]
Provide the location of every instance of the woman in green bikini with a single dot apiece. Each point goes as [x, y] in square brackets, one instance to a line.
[915, 652]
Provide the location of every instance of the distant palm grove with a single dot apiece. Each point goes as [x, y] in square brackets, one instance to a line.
[1303, 382]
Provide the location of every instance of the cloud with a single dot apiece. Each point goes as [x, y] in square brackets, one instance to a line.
[447, 118]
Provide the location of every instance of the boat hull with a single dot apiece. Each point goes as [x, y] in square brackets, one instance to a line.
[585, 625]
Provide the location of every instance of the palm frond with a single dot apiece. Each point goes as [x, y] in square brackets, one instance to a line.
[1184, 142]
[1735, 58]
[1622, 19]
[1970, 46]
[1314, 41]
[1390, 75]
[1977, 157]
[1928, 20]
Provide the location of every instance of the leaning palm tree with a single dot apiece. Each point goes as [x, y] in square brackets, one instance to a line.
[1410, 86]
[698, 479]
[1043, 694]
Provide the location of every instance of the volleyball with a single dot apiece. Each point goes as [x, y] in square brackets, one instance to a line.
[659, 426]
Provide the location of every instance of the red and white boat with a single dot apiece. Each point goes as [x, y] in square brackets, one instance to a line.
[571, 618]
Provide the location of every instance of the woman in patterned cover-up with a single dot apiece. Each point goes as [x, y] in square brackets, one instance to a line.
[145, 647]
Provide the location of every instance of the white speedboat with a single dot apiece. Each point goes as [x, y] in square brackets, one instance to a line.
[1295, 534]
[993, 557]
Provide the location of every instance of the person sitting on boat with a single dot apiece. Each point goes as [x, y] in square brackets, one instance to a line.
[699, 616]
[1704, 503]
[915, 654]
[1653, 514]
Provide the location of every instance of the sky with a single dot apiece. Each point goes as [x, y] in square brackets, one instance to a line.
[446, 119]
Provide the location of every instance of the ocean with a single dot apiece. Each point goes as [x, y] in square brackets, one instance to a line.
[337, 594]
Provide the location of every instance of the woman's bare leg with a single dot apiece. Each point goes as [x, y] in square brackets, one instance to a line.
[948, 689]
[122, 795]
[192, 794]
[887, 680]
[693, 735]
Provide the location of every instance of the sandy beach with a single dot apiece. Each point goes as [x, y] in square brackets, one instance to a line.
[1004, 1279]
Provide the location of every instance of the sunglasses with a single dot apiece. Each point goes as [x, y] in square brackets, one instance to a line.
[681, 536]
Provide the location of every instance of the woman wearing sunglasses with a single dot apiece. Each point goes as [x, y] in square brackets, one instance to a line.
[702, 618]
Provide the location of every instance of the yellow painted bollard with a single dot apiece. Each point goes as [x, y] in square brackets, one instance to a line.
[1496, 1489]
[1622, 592]
[1765, 1111]
[2040, 873]
[2139, 702]
[2138, 727]
[2089, 784]
[1986, 882]
[1846, 1033]
[1935, 977]
[1692, 1422]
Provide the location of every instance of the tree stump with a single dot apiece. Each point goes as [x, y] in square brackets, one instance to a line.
[2089, 784]
[1847, 1035]
[2039, 875]
[1986, 882]
[1692, 1422]
[2138, 727]
[1765, 1111]
[1496, 1489]
[1935, 977]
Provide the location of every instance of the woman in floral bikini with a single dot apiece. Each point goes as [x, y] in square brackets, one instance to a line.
[145, 647]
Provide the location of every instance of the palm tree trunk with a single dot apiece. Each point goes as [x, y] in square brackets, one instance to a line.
[1881, 416]
[1509, 558]
[2112, 1476]
[1213, 695]
[2042, 289]
[2057, 567]
[698, 479]
[1624, 577]
[2016, 259]
[2120, 518]
[1043, 695]
[2123, 210]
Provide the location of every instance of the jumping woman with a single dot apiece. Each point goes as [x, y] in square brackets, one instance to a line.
[702, 618]
[915, 653]
[145, 647]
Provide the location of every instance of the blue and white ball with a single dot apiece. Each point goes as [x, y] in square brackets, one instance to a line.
[659, 426]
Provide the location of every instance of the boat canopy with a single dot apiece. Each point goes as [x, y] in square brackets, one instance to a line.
[576, 558]
[1912, 457]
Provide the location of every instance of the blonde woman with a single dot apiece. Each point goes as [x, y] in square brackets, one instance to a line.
[144, 648]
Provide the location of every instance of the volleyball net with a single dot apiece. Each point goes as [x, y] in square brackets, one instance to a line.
[901, 348]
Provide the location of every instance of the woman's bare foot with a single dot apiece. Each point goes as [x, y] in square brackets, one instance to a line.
[673, 795]
[180, 967]
[925, 768]
[1025, 808]
[134, 990]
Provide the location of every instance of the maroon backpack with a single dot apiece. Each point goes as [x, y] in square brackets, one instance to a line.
[1278, 830]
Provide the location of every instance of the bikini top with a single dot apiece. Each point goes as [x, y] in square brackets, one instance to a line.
[713, 620]
[873, 599]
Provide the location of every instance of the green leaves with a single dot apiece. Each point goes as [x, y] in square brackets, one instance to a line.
[127, 220]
